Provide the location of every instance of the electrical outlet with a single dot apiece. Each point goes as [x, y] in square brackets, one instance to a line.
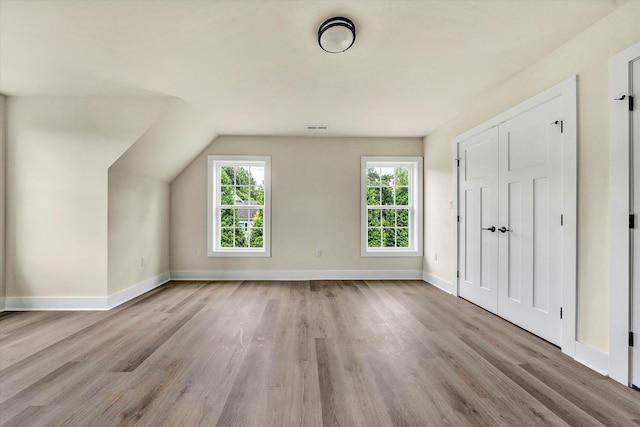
[318, 253]
[199, 252]
[435, 256]
[143, 261]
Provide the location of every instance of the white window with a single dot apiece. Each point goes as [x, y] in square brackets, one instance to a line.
[391, 206]
[239, 206]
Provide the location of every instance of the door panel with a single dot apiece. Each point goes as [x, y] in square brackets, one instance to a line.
[523, 149]
[488, 242]
[541, 224]
[478, 209]
[529, 193]
[542, 212]
[514, 244]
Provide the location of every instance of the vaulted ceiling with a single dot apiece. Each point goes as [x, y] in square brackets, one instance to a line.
[254, 67]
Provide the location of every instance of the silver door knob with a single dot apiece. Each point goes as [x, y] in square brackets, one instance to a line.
[503, 229]
[491, 229]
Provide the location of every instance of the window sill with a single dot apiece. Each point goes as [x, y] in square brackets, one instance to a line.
[396, 253]
[239, 254]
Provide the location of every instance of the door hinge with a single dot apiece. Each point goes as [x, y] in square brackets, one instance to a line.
[458, 218]
[632, 221]
[561, 312]
[629, 98]
[561, 220]
[631, 339]
[458, 274]
[561, 123]
[458, 161]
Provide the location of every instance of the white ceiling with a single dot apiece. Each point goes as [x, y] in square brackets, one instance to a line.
[254, 67]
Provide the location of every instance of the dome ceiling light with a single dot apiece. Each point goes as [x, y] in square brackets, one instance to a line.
[336, 34]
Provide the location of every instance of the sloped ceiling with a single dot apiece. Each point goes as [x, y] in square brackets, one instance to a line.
[168, 145]
[254, 67]
[109, 125]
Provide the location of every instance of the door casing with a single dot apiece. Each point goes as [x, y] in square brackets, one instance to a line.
[635, 260]
[619, 210]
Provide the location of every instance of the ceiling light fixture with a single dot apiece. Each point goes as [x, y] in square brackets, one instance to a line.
[336, 34]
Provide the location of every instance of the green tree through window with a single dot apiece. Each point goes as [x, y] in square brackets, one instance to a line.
[387, 207]
[391, 206]
[239, 205]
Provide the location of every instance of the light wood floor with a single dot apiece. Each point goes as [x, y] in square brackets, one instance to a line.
[332, 353]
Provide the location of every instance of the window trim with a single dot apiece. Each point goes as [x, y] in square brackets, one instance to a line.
[416, 206]
[214, 163]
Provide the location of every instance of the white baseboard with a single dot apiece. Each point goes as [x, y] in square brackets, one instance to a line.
[592, 358]
[84, 303]
[297, 275]
[438, 282]
[56, 303]
[137, 290]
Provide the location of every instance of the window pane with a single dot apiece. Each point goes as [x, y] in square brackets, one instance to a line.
[389, 217]
[244, 217]
[242, 195]
[402, 177]
[389, 237]
[256, 238]
[257, 175]
[402, 217]
[402, 237]
[257, 218]
[227, 217]
[374, 238]
[373, 196]
[402, 196]
[387, 196]
[242, 175]
[373, 218]
[227, 175]
[256, 196]
[226, 195]
[226, 237]
[241, 238]
[373, 177]
[387, 177]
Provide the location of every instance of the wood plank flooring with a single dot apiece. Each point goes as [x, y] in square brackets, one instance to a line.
[320, 353]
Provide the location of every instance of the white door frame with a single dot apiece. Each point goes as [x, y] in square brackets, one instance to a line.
[568, 90]
[619, 210]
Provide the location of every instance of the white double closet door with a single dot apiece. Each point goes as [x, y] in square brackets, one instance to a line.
[509, 198]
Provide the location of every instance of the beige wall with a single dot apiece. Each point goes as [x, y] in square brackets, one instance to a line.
[586, 56]
[58, 154]
[138, 228]
[315, 204]
[2, 194]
